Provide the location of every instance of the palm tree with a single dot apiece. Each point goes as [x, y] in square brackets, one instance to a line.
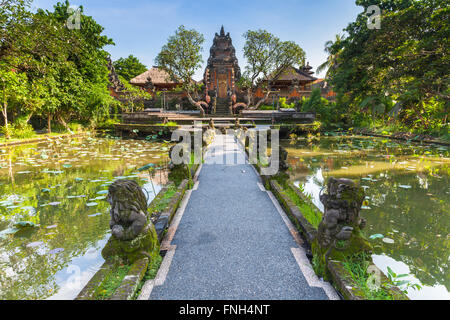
[331, 62]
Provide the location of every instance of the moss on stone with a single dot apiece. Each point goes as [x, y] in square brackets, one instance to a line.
[144, 245]
[162, 200]
[178, 173]
[112, 281]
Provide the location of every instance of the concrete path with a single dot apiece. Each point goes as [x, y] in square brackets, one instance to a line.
[230, 241]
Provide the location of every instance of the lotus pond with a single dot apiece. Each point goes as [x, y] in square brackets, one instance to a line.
[54, 219]
[407, 200]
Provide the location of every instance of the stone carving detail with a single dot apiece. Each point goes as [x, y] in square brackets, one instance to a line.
[223, 69]
[114, 82]
[341, 217]
[128, 209]
[133, 233]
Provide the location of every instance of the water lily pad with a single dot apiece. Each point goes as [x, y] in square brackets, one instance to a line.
[45, 190]
[388, 240]
[74, 197]
[34, 244]
[146, 167]
[54, 203]
[25, 224]
[98, 198]
[67, 165]
[95, 215]
[376, 236]
[91, 204]
[8, 231]
[56, 251]
[404, 186]
[79, 179]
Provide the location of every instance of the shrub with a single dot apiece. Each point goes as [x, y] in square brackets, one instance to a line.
[266, 107]
[285, 105]
[75, 127]
[20, 129]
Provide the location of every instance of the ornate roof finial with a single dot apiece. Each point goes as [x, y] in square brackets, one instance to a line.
[222, 31]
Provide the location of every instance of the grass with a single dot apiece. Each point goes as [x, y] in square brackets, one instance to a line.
[356, 266]
[440, 131]
[35, 136]
[150, 274]
[111, 283]
[313, 216]
[168, 124]
[159, 204]
[266, 107]
[309, 213]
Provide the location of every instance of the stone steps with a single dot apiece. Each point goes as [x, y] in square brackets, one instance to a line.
[222, 107]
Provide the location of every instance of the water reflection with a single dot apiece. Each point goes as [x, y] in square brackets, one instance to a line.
[407, 200]
[61, 186]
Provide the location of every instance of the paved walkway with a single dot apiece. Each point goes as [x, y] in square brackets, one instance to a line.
[230, 241]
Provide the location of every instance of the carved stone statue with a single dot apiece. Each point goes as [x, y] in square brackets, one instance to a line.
[341, 220]
[114, 81]
[133, 234]
[128, 209]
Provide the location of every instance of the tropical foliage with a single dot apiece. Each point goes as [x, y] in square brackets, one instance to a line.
[129, 67]
[398, 73]
[49, 70]
[181, 57]
[267, 57]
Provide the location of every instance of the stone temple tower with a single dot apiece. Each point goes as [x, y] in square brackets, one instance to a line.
[222, 70]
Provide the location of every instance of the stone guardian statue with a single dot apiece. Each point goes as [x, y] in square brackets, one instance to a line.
[133, 234]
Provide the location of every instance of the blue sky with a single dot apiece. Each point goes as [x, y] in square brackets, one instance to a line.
[141, 27]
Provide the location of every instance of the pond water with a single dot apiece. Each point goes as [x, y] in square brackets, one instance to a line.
[407, 208]
[61, 186]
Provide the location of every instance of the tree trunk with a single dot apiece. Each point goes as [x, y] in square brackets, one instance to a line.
[262, 100]
[49, 123]
[61, 120]
[249, 97]
[29, 117]
[196, 104]
[5, 112]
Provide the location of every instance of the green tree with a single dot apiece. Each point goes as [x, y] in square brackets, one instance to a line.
[333, 56]
[129, 67]
[86, 94]
[13, 81]
[57, 72]
[181, 57]
[267, 57]
[12, 90]
[133, 95]
[400, 69]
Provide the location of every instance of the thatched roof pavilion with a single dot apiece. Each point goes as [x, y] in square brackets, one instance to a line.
[156, 79]
[291, 75]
